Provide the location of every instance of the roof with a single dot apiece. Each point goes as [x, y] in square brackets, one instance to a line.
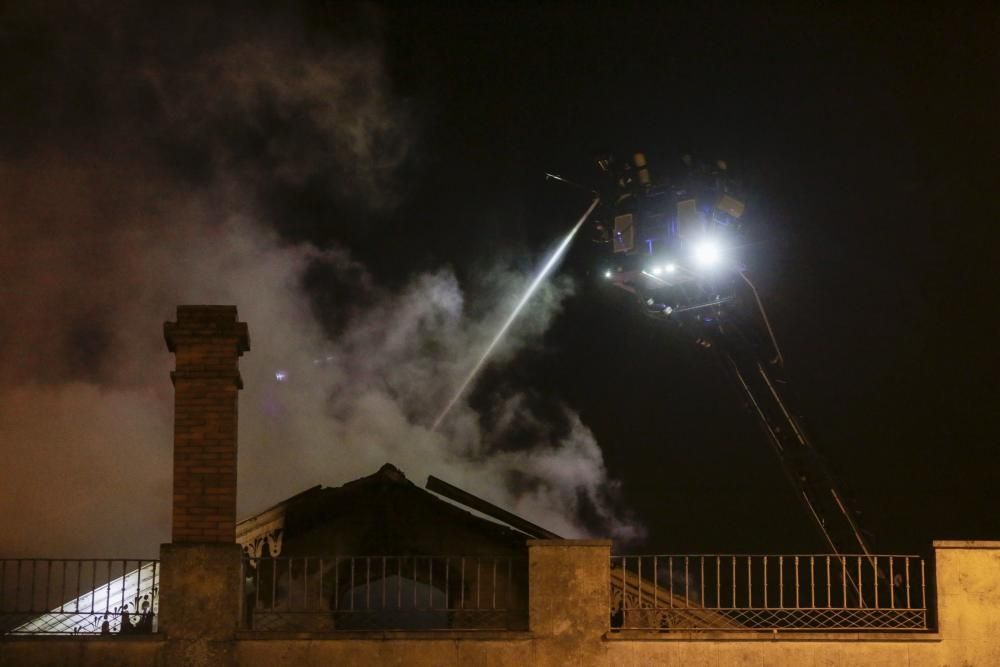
[382, 513]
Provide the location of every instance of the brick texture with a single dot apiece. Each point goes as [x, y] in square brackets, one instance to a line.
[207, 342]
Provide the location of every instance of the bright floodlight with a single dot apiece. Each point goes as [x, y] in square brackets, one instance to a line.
[657, 270]
[607, 274]
[707, 254]
[670, 268]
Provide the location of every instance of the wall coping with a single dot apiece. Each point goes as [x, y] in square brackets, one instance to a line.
[379, 635]
[569, 543]
[790, 636]
[966, 544]
[151, 637]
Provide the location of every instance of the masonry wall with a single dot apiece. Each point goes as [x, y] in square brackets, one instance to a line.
[568, 603]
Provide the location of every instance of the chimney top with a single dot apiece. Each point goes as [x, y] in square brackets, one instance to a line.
[197, 323]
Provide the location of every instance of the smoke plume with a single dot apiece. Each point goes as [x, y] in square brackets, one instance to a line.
[135, 179]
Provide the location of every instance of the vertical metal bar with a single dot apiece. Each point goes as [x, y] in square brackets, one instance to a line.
[829, 585]
[923, 586]
[79, 576]
[107, 585]
[861, 594]
[718, 582]
[687, 579]
[31, 597]
[124, 570]
[923, 599]
[892, 585]
[670, 569]
[93, 583]
[766, 602]
[623, 582]
[796, 582]
[702, 580]
[749, 583]
[781, 582]
[734, 581]
[62, 587]
[812, 581]
[156, 582]
[908, 606]
[336, 582]
[17, 589]
[510, 580]
[843, 580]
[48, 581]
[875, 578]
[639, 581]
[656, 572]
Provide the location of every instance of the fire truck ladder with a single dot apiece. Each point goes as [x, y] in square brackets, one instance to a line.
[760, 377]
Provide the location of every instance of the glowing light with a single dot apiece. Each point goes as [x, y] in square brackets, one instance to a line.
[670, 268]
[707, 254]
[607, 274]
[528, 293]
[281, 376]
[657, 270]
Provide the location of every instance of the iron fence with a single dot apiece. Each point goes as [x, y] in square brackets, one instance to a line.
[54, 596]
[320, 594]
[757, 592]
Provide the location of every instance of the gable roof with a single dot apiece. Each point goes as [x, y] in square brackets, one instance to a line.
[382, 513]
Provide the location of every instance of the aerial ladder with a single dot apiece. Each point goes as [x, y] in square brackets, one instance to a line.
[673, 244]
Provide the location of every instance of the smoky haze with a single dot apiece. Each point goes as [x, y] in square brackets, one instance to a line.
[136, 174]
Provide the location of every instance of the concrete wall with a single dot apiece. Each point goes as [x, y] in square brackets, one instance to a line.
[569, 621]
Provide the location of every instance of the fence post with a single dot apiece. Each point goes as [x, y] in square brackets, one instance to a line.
[968, 600]
[568, 599]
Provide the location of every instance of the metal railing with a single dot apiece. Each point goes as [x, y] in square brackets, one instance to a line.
[55, 596]
[321, 594]
[757, 592]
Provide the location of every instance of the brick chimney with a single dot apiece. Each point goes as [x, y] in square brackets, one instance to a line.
[207, 342]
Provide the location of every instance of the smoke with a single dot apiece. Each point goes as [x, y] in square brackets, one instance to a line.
[160, 190]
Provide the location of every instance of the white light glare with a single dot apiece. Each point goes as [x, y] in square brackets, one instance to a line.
[670, 268]
[707, 254]
[657, 270]
[281, 376]
[607, 274]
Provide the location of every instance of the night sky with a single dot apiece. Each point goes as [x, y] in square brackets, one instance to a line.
[867, 137]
